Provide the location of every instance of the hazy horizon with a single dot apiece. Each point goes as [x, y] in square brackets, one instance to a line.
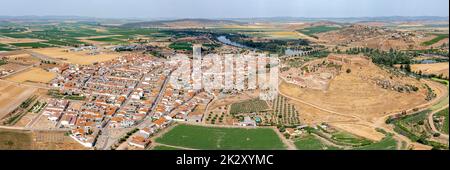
[225, 8]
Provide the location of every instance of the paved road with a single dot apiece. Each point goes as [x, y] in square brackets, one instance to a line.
[148, 121]
[104, 139]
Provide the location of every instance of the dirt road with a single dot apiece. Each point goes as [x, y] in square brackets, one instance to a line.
[431, 122]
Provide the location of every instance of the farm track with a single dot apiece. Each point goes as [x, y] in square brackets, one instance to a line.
[18, 71]
[27, 85]
[289, 144]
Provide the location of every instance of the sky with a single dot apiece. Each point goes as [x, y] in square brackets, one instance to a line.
[224, 8]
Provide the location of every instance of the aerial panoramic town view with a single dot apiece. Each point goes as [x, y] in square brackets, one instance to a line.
[228, 75]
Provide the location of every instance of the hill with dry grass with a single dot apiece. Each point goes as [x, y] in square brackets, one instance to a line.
[362, 89]
[374, 37]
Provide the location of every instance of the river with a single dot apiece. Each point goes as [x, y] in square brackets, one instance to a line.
[227, 41]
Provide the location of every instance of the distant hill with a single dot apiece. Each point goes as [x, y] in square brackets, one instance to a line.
[182, 23]
[359, 35]
[345, 19]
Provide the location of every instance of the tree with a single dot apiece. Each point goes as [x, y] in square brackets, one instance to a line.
[408, 68]
[348, 70]
[436, 134]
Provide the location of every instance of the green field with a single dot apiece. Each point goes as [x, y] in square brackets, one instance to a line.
[113, 40]
[444, 113]
[311, 142]
[310, 31]
[387, 143]
[249, 106]
[349, 139]
[181, 46]
[11, 30]
[443, 81]
[160, 147]
[435, 40]
[284, 113]
[4, 47]
[32, 45]
[15, 139]
[199, 137]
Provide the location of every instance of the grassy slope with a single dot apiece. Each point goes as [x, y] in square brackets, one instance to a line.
[312, 143]
[388, 143]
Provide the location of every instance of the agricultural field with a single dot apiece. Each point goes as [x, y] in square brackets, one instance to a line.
[310, 31]
[9, 40]
[15, 139]
[310, 142]
[284, 113]
[387, 143]
[199, 137]
[16, 115]
[345, 138]
[434, 68]
[219, 116]
[4, 47]
[249, 106]
[111, 40]
[58, 35]
[74, 35]
[11, 96]
[81, 57]
[54, 140]
[32, 45]
[181, 46]
[438, 38]
[282, 35]
[34, 75]
[360, 130]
